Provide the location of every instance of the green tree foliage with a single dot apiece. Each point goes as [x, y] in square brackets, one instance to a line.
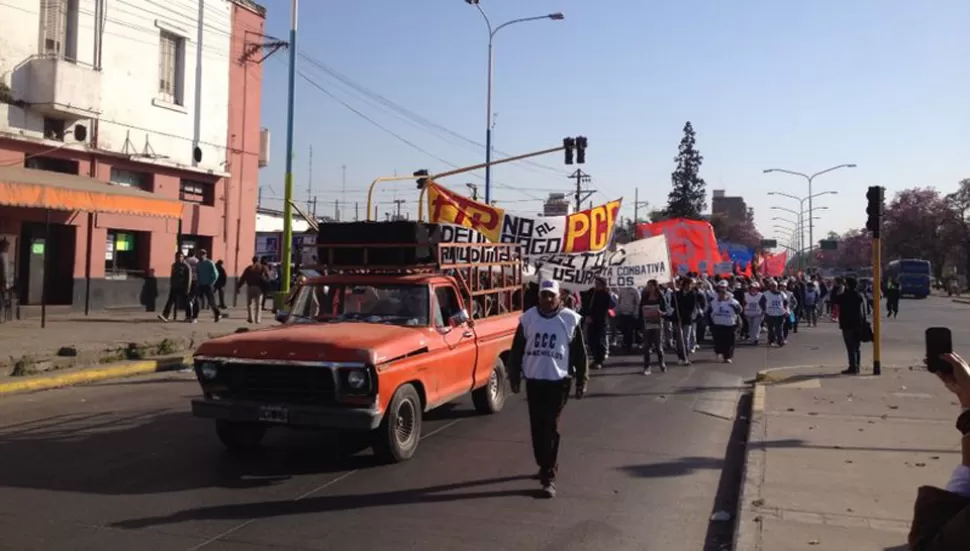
[688, 196]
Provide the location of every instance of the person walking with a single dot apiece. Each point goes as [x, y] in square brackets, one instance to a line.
[810, 306]
[596, 314]
[253, 278]
[179, 289]
[852, 317]
[220, 286]
[626, 315]
[893, 292]
[685, 307]
[725, 318]
[208, 275]
[776, 309]
[754, 311]
[653, 308]
[548, 351]
[7, 286]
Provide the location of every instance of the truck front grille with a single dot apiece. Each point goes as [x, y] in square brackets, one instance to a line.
[280, 384]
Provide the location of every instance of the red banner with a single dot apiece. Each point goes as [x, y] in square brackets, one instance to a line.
[693, 247]
[773, 265]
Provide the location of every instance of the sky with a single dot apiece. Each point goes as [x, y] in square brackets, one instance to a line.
[766, 84]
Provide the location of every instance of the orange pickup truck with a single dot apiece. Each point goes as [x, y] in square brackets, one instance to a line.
[400, 325]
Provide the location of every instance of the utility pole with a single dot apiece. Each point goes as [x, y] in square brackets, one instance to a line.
[336, 210]
[343, 184]
[313, 211]
[356, 210]
[399, 202]
[309, 182]
[286, 259]
[581, 195]
[637, 203]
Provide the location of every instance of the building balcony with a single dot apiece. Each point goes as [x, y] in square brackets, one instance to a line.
[59, 87]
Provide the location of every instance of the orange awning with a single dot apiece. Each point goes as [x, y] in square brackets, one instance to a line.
[42, 189]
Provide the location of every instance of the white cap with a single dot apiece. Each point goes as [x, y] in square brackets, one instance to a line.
[722, 284]
[549, 286]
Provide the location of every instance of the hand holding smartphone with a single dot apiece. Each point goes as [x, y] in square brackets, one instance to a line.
[939, 341]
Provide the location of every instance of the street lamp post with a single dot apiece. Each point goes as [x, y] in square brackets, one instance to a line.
[811, 226]
[801, 208]
[488, 101]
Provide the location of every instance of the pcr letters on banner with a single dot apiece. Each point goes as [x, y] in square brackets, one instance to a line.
[587, 231]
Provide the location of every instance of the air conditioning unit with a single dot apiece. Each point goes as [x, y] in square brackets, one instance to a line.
[263, 147]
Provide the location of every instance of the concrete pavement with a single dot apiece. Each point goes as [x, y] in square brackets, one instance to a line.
[833, 462]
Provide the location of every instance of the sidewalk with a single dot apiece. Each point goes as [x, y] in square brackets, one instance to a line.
[106, 337]
[833, 461]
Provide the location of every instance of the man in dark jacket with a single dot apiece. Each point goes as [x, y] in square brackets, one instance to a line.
[596, 316]
[685, 307]
[179, 288]
[941, 518]
[852, 318]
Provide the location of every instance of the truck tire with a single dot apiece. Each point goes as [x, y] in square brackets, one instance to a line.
[491, 397]
[398, 436]
[240, 437]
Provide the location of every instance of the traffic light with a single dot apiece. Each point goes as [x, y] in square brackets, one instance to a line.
[421, 176]
[567, 146]
[580, 150]
[874, 197]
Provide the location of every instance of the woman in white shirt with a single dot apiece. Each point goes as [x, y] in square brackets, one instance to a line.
[725, 317]
[754, 311]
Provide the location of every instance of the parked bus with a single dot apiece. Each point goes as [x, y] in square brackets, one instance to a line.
[914, 276]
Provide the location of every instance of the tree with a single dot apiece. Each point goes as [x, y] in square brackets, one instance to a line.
[657, 216]
[688, 198]
[958, 203]
[917, 224]
[742, 233]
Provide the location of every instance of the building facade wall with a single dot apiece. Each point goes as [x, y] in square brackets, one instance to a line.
[210, 140]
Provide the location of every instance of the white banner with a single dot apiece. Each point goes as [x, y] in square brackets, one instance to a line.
[631, 265]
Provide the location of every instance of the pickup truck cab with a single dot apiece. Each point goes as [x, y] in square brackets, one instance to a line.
[371, 348]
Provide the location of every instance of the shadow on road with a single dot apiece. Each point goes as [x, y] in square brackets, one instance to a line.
[672, 392]
[159, 451]
[322, 504]
[679, 467]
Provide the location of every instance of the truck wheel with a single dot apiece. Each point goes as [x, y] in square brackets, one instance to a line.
[397, 438]
[491, 397]
[240, 437]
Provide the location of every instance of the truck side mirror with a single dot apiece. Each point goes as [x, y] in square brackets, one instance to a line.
[459, 318]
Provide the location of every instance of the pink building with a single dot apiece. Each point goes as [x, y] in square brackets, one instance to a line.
[109, 162]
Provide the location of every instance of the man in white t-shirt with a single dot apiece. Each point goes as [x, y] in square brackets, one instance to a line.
[549, 352]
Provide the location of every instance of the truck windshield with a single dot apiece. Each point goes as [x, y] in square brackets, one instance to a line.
[388, 304]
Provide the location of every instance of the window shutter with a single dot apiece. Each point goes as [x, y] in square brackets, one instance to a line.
[167, 54]
[53, 21]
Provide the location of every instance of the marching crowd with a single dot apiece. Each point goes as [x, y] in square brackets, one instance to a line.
[678, 316]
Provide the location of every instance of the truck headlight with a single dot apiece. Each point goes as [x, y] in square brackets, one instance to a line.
[209, 371]
[357, 380]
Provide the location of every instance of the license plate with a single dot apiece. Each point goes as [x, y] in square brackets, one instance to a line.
[274, 414]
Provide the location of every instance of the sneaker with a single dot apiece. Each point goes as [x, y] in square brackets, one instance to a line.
[597, 366]
[163, 317]
[647, 371]
[728, 360]
[549, 490]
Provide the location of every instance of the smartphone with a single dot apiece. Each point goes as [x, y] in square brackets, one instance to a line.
[939, 341]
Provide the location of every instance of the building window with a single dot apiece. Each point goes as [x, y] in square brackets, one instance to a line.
[54, 129]
[130, 178]
[58, 28]
[194, 191]
[125, 254]
[52, 164]
[171, 65]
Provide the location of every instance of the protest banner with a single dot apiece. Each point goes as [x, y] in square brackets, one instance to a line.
[587, 231]
[693, 247]
[630, 265]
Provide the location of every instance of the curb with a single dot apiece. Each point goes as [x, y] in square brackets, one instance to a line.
[961, 300]
[747, 522]
[115, 371]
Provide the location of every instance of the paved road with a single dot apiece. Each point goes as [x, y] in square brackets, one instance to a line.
[645, 461]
